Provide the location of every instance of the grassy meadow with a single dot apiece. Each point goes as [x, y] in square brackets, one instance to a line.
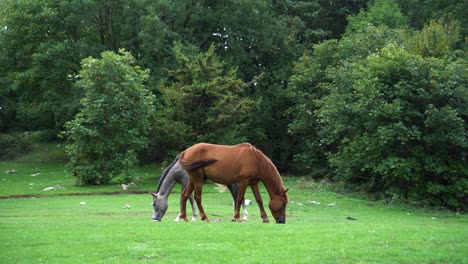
[72, 224]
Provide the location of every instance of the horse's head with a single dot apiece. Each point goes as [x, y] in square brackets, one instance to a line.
[159, 206]
[278, 207]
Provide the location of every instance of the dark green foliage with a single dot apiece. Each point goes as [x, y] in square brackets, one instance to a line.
[42, 44]
[106, 135]
[380, 13]
[399, 123]
[305, 89]
[315, 21]
[204, 103]
[307, 86]
[388, 120]
[379, 106]
[14, 145]
[439, 38]
[421, 11]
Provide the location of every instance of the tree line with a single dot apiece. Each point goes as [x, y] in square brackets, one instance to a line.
[370, 93]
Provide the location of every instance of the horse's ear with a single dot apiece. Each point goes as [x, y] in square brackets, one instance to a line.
[154, 194]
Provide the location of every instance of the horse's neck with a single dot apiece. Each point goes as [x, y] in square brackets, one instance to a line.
[271, 178]
[273, 188]
[167, 185]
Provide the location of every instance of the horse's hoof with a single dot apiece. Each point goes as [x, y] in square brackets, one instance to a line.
[178, 219]
[266, 221]
[156, 220]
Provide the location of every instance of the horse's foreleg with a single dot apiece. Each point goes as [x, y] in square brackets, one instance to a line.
[183, 201]
[258, 198]
[239, 201]
[194, 209]
[233, 188]
[192, 204]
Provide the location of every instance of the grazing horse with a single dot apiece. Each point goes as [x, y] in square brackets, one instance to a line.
[173, 174]
[241, 163]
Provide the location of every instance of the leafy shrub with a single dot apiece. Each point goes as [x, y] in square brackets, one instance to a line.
[304, 89]
[367, 32]
[106, 135]
[383, 109]
[399, 121]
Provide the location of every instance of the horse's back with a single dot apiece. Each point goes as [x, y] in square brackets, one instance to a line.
[221, 163]
[202, 151]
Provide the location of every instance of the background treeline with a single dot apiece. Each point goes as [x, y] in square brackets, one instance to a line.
[370, 93]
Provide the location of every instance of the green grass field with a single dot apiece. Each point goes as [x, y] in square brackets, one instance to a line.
[53, 227]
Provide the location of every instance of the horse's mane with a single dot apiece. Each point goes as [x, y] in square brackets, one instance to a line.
[165, 172]
[268, 168]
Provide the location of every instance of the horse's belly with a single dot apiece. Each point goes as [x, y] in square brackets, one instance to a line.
[222, 174]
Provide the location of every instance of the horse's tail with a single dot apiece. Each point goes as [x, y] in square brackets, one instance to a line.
[195, 165]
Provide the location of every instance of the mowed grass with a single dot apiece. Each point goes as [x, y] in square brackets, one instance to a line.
[56, 228]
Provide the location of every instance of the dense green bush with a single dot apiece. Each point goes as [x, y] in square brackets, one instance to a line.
[399, 121]
[367, 32]
[305, 89]
[384, 109]
[106, 135]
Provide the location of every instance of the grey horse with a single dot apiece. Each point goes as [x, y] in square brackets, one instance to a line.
[173, 174]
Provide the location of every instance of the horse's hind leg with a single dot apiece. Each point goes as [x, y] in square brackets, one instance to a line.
[183, 201]
[185, 182]
[258, 198]
[197, 179]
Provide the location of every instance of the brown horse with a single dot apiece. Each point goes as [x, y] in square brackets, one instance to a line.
[243, 164]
